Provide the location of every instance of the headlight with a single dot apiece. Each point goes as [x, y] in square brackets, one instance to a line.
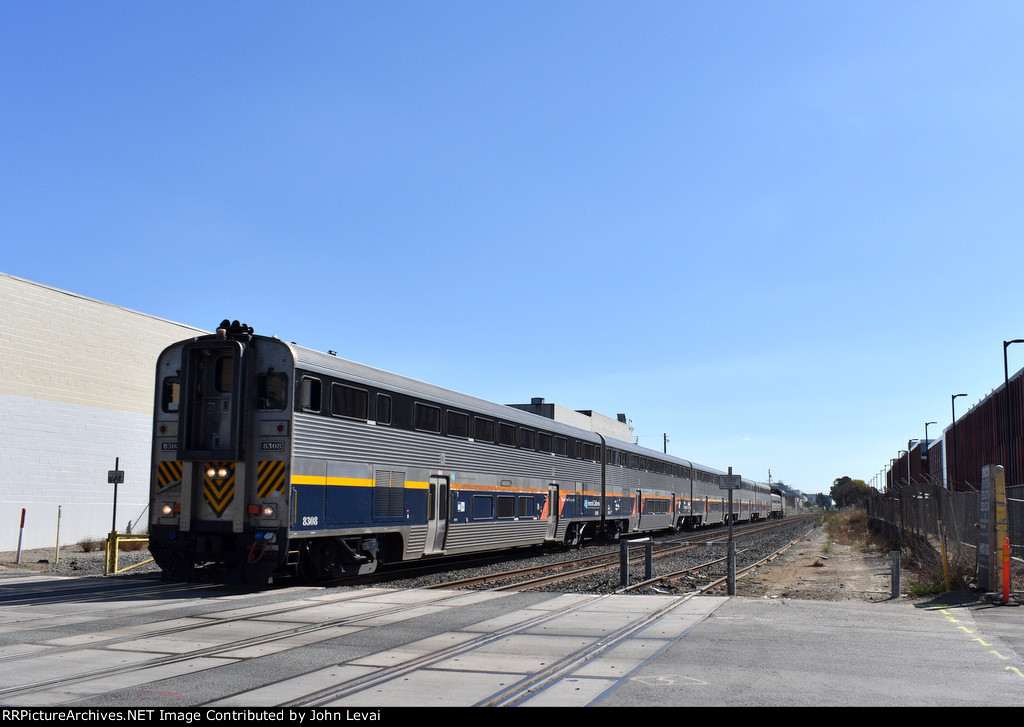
[269, 511]
[167, 509]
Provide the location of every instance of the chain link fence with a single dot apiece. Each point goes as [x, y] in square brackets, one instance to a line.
[940, 530]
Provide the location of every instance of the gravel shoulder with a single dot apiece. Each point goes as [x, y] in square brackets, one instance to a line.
[820, 569]
[70, 561]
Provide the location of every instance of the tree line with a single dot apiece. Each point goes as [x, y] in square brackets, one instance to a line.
[846, 491]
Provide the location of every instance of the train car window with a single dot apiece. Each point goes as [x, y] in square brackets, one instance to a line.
[506, 506]
[483, 430]
[426, 418]
[483, 507]
[527, 438]
[170, 395]
[588, 451]
[655, 507]
[527, 507]
[310, 394]
[506, 434]
[561, 446]
[383, 409]
[578, 450]
[543, 442]
[347, 401]
[271, 391]
[458, 424]
[225, 374]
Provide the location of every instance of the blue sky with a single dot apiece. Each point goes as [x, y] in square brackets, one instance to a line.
[782, 233]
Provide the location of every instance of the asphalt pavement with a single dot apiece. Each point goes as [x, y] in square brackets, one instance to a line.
[794, 653]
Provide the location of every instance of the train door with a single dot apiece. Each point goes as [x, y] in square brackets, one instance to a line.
[437, 514]
[209, 433]
[212, 392]
[552, 511]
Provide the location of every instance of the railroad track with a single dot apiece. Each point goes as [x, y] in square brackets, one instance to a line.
[550, 574]
[717, 582]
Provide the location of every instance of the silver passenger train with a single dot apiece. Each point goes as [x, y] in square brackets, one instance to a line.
[269, 457]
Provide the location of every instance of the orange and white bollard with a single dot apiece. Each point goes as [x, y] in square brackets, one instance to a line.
[1006, 570]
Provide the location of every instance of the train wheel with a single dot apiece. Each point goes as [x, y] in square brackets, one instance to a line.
[180, 567]
[317, 561]
[573, 536]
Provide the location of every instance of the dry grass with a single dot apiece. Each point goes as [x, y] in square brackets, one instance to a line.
[850, 526]
[125, 546]
[90, 546]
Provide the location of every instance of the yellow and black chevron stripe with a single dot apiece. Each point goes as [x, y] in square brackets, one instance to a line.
[270, 478]
[167, 474]
[217, 492]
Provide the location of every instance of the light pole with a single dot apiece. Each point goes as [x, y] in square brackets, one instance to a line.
[924, 452]
[1010, 469]
[951, 465]
[910, 448]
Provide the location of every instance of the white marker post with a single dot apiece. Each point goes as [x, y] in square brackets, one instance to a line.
[21, 532]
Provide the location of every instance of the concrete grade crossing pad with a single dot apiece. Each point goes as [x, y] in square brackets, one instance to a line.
[589, 650]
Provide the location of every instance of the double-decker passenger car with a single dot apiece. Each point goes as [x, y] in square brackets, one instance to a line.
[271, 457]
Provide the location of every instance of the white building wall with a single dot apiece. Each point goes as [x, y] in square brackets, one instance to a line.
[594, 422]
[76, 392]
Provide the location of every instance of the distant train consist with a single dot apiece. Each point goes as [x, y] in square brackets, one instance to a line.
[272, 458]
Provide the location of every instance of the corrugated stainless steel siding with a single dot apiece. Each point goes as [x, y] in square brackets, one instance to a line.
[493, 535]
[325, 438]
[415, 537]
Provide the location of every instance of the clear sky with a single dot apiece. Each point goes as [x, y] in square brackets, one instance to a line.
[783, 233]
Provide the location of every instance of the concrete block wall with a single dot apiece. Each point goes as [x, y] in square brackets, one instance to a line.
[76, 392]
